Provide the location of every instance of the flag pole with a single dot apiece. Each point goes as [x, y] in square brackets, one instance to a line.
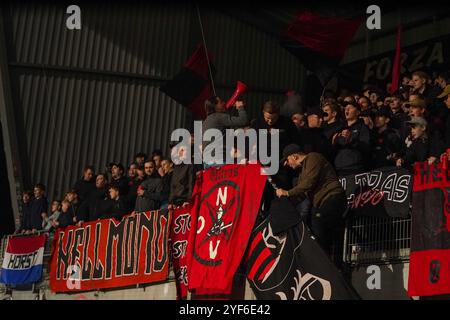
[206, 49]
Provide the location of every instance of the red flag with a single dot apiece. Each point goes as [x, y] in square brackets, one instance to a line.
[396, 66]
[319, 41]
[429, 274]
[226, 204]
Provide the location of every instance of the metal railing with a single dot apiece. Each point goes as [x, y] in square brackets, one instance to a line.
[373, 240]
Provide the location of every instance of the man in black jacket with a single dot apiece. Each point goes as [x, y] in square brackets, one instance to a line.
[352, 144]
[182, 181]
[386, 141]
[332, 122]
[25, 220]
[421, 86]
[167, 170]
[97, 202]
[75, 206]
[118, 178]
[271, 120]
[417, 145]
[118, 205]
[86, 184]
[398, 117]
[148, 192]
[38, 208]
[313, 138]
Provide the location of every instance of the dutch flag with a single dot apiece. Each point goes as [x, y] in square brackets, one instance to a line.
[22, 262]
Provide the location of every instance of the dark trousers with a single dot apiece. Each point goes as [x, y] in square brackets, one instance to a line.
[304, 208]
[327, 223]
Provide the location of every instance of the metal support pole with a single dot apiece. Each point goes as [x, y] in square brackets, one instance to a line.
[7, 119]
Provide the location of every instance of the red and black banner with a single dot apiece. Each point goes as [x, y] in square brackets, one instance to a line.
[319, 41]
[192, 85]
[226, 203]
[429, 269]
[109, 253]
[290, 265]
[180, 230]
[381, 192]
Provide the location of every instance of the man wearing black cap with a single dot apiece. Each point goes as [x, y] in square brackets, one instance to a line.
[386, 141]
[318, 182]
[417, 146]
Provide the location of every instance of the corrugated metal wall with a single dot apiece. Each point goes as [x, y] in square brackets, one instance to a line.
[91, 96]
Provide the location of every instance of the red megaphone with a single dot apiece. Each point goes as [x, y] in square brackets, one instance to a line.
[240, 89]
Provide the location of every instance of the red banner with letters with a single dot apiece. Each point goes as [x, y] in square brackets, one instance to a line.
[109, 253]
[181, 227]
[429, 269]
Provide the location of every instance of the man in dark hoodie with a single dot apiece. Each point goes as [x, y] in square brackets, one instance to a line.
[97, 202]
[167, 170]
[352, 144]
[39, 207]
[27, 197]
[148, 192]
[118, 178]
[386, 141]
[75, 205]
[182, 181]
[272, 120]
[313, 138]
[86, 184]
[119, 205]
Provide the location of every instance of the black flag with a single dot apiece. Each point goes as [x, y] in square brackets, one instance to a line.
[292, 266]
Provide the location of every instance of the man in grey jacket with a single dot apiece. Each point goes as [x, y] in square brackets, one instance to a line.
[218, 118]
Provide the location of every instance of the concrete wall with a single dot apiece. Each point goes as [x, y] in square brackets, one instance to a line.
[163, 291]
[393, 282]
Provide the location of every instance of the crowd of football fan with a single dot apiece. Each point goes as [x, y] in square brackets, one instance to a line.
[354, 131]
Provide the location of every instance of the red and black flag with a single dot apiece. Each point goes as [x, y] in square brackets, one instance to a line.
[429, 269]
[192, 85]
[319, 41]
[226, 203]
[396, 68]
[290, 264]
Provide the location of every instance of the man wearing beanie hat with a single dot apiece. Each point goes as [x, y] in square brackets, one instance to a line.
[318, 182]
